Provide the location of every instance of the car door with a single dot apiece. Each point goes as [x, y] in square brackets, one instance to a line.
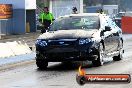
[114, 36]
[107, 35]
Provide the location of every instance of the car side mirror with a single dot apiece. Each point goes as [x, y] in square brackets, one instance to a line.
[107, 28]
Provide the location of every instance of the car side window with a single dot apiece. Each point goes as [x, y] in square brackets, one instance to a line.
[111, 24]
[104, 22]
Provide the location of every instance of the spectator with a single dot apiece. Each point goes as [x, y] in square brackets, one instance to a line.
[46, 18]
[74, 10]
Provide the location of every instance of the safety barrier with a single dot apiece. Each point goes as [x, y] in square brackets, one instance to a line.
[9, 49]
[126, 24]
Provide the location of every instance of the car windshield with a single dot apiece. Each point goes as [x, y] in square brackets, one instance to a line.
[71, 23]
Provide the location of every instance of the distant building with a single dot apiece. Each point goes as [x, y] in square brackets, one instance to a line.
[111, 10]
[64, 7]
[23, 18]
[92, 9]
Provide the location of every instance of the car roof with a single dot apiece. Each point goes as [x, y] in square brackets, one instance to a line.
[83, 14]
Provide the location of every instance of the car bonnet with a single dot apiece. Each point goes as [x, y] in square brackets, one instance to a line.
[68, 34]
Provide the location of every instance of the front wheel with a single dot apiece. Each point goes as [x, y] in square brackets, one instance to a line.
[40, 62]
[99, 61]
[119, 57]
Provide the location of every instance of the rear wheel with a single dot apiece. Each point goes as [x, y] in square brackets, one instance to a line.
[120, 56]
[99, 61]
[40, 62]
[117, 58]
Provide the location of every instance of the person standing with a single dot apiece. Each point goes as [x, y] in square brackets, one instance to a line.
[46, 18]
[74, 10]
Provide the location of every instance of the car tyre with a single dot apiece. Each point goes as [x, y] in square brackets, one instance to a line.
[120, 56]
[99, 61]
[117, 58]
[41, 64]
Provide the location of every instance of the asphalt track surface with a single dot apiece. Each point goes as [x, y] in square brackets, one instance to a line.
[63, 75]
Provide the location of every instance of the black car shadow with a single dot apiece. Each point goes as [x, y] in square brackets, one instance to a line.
[69, 66]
